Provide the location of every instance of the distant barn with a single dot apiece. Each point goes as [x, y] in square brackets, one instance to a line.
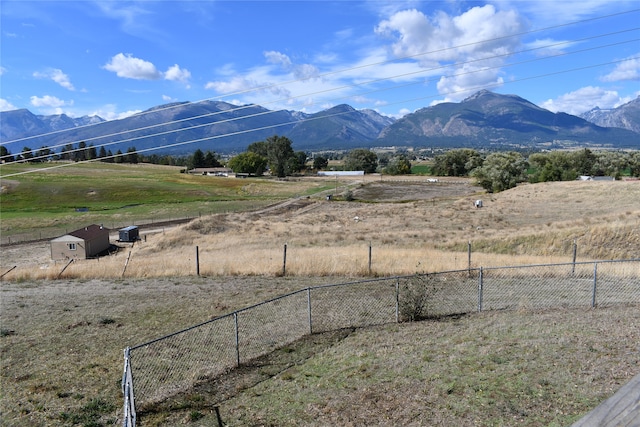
[84, 243]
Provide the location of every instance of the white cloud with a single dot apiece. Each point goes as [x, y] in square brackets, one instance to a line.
[48, 101]
[2, 70]
[547, 13]
[545, 47]
[130, 67]
[108, 112]
[278, 58]
[57, 76]
[167, 98]
[235, 85]
[475, 44]
[175, 73]
[6, 105]
[627, 70]
[585, 99]
[299, 71]
[480, 32]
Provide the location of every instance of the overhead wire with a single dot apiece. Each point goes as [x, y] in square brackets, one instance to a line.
[245, 131]
[553, 45]
[364, 83]
[328, 73]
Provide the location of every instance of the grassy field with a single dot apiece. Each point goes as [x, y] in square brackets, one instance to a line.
[62, 347]
[62, 339]
[37, 199]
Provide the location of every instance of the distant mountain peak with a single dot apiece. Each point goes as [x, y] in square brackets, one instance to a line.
[625, 116]
[484, 119]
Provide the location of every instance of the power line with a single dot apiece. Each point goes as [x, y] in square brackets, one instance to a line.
[552, 45]
[265, 87]
[312, 118]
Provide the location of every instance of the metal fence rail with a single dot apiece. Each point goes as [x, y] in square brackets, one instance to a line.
[174, 363]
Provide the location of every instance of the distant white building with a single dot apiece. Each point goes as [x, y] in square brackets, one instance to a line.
[595, 178]
[340, 173]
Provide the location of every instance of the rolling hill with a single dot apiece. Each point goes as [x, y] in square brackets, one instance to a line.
[483, 120]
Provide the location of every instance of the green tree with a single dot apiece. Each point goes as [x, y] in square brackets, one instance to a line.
[320, 162]
[501, 171]
[26, 154]
[43, 154]
[584, 162]
[211, 160]
[67, 152]
[132, 155]
[398, 165]
[297, 162]
[458, 162]
[118, 157]
[80, 154]
[634, 163]
[361, 159]
[91, 152]
[248, 162]
[553, 166]
[5, 155]
[259, 147]
[611, 163]
[197, 159]
[279, 152]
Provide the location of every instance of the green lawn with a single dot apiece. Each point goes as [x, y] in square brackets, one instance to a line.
[48, 198]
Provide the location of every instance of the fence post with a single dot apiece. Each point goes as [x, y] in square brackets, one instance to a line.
[469, 257]
[369, 258]
[397, 300]
[480, 289]
[595, 285]
[284, 261]
[235, 321]
[126, 263]
[575, 252]
[197, 261]
[309, 310]
[129, 415]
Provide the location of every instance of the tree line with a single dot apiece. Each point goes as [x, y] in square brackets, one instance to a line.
[503, 170]
[494, 171]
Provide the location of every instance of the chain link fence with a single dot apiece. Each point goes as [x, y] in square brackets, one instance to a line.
[173, 364]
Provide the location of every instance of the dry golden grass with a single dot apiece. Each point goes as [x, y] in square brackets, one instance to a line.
[428, 231]
[63, 339]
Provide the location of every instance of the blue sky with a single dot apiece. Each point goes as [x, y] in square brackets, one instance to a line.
[115, 58]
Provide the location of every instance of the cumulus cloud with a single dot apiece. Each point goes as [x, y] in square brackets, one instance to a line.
[176, 73]
[131, 67]
[299, 71]
[6, 105]
[48, 101]
[234, 85]
[585, 99]
[473, 44]
[626, 70]
[108, 112]
[57, 76]
[278, 58]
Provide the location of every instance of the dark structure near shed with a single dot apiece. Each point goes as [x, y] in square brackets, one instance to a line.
[129, 234]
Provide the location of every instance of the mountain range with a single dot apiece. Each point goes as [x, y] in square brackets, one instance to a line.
[483, 120]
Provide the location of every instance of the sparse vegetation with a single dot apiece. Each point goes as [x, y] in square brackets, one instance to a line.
[63, 363]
